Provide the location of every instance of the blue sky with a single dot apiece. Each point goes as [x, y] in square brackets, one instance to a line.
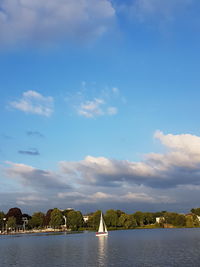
[100, 104]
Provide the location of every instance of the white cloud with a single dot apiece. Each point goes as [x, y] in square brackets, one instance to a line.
[34, 103]
[187, 143]
[50, 20]
[101, 195]
[180, 165]
[92, 102]
[91, 109]
[95, 108]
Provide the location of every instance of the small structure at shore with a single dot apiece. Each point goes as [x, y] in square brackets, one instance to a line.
[85, 218]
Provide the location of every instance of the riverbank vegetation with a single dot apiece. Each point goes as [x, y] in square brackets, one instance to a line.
[72, 220]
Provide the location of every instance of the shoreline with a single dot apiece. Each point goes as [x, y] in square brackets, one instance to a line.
[68, 231]
[45, 231]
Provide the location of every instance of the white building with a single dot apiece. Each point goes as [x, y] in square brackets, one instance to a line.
[198, 217]
[159, 219]
[85, 218]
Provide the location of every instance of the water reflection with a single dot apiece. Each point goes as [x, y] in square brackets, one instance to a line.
[102, 250]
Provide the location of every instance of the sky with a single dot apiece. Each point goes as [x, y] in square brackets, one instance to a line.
[99, 105]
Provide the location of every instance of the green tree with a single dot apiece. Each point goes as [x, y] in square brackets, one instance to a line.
[94, 220]
[47, 217]
[180, 220]
[148, 218]
[65, 212]
[119, 213]
[2, 215]
[170, 217]
[130, 222]
[11, 223]
[196, 211]
[111, 218]
[189, 222]
[196, 221]
[127, 221]
[192, 221]
[139, 217]
[15, 212]
[56, 218]
[74, 220]
[37, 220]
[175, 219]
[122, 219]
[159, 214]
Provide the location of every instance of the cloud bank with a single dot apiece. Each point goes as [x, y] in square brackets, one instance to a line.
[180, 165]
[160, 179]
[49, 20]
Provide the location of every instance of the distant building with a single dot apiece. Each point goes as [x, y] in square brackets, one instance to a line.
[198, 217]
[160, 219]
[85, 218]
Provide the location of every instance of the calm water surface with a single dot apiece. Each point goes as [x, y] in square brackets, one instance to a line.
[150, 247]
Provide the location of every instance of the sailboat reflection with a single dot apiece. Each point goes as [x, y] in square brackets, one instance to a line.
[102, 250]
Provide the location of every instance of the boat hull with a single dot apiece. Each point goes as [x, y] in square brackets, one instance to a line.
[101, 233]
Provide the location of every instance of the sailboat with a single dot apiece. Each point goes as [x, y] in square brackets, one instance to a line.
[102, 228]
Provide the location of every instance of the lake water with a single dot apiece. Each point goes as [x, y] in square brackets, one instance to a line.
[145, 247]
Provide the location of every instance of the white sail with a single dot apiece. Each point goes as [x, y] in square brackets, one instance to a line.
[104, 225]
[101, 224]
[102, 228]
[105, 228]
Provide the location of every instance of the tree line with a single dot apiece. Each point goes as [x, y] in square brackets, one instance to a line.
[115, 219]
[54, 218]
